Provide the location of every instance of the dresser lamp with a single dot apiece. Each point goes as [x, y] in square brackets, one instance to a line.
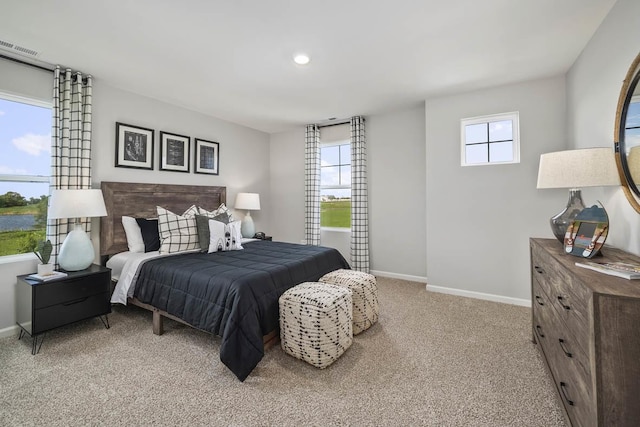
[574, 169]
[76, 252]
[248, 202]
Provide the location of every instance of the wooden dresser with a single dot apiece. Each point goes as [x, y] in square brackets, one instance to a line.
[587, 327]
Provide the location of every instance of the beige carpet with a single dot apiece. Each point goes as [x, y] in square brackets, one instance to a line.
[432, 359]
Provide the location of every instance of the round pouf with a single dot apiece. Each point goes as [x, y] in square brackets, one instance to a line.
[365, 295]
[316, 322]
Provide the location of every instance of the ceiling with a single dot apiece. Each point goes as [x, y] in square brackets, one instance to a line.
[232, 59]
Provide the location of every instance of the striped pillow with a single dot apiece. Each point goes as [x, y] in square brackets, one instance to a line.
[177, 232]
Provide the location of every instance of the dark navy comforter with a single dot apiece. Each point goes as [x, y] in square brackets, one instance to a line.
[233, 294]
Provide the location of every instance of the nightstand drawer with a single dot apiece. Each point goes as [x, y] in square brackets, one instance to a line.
[54, 293]
[71, 311]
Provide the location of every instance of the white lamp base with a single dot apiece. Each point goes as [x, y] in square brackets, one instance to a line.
[76, 252]
[247, 228]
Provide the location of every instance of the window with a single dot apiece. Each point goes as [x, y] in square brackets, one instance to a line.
[490, 140]
[335, 185]
[25, 166]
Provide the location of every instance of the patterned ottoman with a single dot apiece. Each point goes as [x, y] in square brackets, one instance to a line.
[316, 322]
[365, 296]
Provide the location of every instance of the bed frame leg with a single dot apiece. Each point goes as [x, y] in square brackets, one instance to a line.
[158, 327]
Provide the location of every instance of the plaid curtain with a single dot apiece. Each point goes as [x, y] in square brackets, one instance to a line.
[312, 185]
[359, 210]
[71, 145]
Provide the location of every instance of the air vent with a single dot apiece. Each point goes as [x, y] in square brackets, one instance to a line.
[11, 47]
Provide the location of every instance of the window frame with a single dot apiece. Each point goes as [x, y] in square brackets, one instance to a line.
[335, 187]
[513, 116]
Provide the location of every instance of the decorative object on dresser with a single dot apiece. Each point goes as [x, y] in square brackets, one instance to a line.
[207, 157]
[174, 152]
[587, 232]
[42, 306]
[76, 252]
[134, 147]
[573, 169]
[43, 252]
[249, 202]
[586, 327]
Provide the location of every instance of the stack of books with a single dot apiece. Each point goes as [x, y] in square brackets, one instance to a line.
[47, 277]
[619, 269]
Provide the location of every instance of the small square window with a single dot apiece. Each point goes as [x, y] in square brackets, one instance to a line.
[488, 140]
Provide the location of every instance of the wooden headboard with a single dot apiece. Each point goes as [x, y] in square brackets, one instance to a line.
[140, 200]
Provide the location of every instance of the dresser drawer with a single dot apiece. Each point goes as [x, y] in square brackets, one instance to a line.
[71, 311]
[569, 299]
[54, 293]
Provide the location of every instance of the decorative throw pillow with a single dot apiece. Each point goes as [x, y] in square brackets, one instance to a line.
[177, 233]
[133, 233]
[202, 224]
[191, 212]
[224, 237]
[150, 236]
[222, 211]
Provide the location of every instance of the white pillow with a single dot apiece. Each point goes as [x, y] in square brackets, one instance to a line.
[222, 209]
[177, 233]
[224, 237]
[134, 234]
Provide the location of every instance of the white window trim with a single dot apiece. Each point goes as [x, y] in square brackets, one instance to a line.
[514, 116]
[336, 187]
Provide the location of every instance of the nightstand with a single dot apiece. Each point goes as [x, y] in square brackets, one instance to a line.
[42, 306]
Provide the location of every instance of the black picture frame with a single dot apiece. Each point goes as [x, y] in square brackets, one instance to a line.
[134, 146]
[206, 157]
[174, 152]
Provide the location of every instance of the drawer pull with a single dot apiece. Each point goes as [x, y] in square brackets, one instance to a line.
[539, 329]
[538, 269]
[76, 301]
[563, 388]
[539, 300]
[564, 349]
[561, 301]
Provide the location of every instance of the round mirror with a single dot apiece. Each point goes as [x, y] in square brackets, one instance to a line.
[627, 135]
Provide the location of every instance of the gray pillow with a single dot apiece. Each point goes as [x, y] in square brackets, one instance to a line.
[202, 224]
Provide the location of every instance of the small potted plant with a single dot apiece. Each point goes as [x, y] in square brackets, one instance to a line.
[43, 252]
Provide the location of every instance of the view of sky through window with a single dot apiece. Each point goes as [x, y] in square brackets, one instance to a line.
[25, 144]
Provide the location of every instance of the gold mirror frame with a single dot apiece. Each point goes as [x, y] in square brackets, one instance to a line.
[628, 185]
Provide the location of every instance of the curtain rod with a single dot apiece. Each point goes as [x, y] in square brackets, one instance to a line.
[19, 61]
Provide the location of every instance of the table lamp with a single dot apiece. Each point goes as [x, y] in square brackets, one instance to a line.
[248, 202]
[76, 252]
[574, 169]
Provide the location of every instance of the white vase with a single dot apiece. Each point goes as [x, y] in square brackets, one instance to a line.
[44, 269]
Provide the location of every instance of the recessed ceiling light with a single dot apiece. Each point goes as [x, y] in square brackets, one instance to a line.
[301, 59]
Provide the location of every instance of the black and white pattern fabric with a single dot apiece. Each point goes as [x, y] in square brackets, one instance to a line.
[312, 185]
[316, 322]
[224, 237]
[178, 233]
[359, 202]
[365, 295]
[70, 146]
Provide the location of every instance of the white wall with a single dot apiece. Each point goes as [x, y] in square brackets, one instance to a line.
[395, 162]
[244, 164]
[593, 87]
[480, 218]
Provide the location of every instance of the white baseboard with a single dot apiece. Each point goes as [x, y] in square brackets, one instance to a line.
[9, 332]
[408, 277]
[479, 295]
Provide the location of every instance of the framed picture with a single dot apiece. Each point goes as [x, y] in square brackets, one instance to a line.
[174, 152]
[207, 157]
[134, 147]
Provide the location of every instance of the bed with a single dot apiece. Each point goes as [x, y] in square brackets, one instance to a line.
[232, 294]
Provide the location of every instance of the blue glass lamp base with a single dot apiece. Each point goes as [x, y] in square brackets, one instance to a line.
[561, 221]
